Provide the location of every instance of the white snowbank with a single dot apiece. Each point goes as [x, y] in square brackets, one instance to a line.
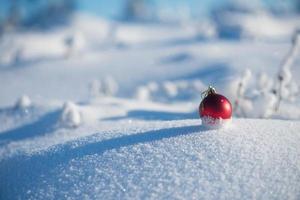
[171, 159]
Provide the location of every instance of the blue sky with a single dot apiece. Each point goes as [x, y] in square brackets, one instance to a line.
[114, 8]
[110, 8]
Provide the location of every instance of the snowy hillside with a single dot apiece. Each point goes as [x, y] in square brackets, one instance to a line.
[109, 110]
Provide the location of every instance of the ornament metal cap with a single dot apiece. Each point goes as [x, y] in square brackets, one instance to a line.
[210, 90]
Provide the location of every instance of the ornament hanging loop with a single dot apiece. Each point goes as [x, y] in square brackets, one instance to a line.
[210, 90]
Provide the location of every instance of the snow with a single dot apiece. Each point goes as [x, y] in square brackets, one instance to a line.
[70, 116]
[142, 93]
[172, 159]
[255, 24]
[111, 112]
[23, 103]
[212, 123]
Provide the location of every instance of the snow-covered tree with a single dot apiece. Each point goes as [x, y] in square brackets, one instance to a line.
[254, 100]
[264, 99]
[242, 105]
[105, 87]
[170, 88]
[285, 87]
[110, 86]
[95, 88]
[69, 44]
[73, 43]
[143, 93]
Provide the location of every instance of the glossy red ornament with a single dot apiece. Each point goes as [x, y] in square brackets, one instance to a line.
[215, 106]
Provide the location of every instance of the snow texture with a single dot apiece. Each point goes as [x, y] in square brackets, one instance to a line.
[156, 160]
[215, 123]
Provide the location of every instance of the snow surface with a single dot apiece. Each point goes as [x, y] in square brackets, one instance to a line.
[109, 110]
[252, 159]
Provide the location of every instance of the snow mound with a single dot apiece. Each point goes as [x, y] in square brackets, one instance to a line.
[70, 115]
[158, 160]
[23, 102]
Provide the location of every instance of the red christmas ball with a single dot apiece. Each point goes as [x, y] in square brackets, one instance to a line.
[214, 106]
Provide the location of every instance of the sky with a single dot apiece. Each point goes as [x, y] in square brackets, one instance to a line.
[115, 8]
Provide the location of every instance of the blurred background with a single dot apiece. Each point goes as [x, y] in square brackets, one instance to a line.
[165, 51]
[25, 14]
